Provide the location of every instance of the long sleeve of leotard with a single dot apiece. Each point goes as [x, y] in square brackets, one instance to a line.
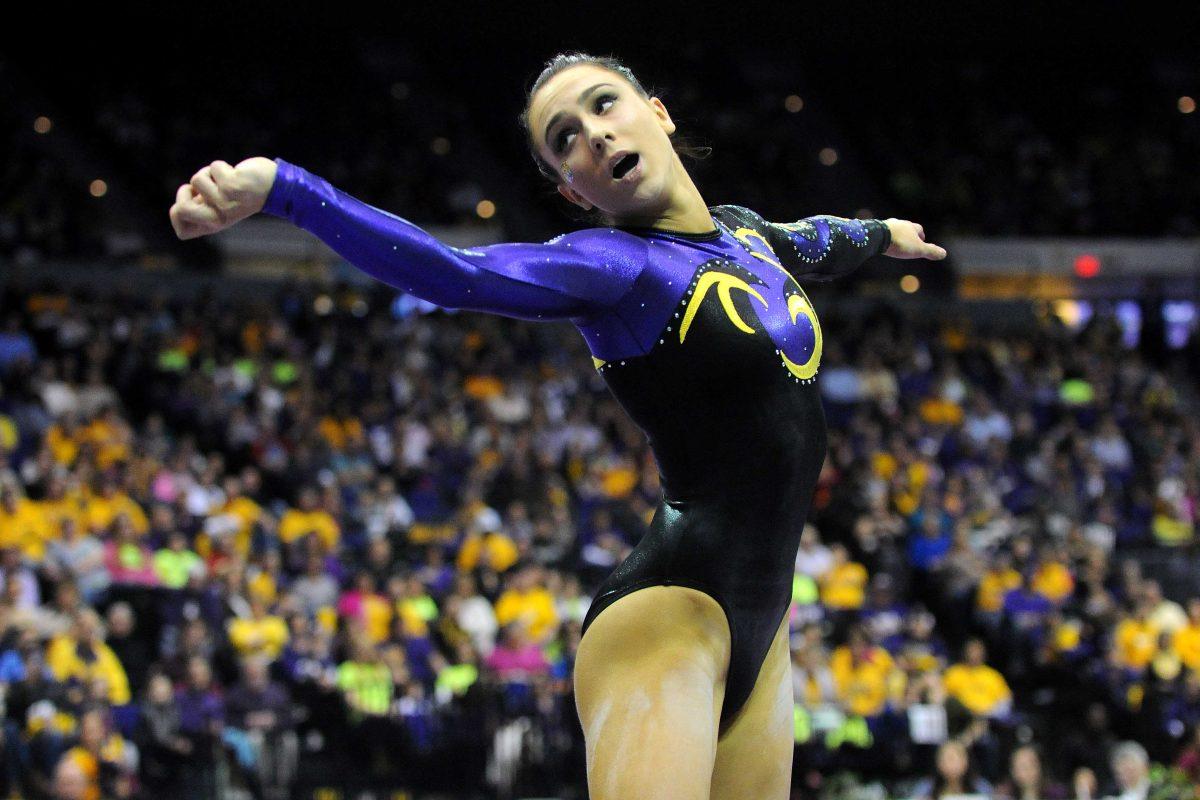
[819, 248]
[823, 248]
[561, 279]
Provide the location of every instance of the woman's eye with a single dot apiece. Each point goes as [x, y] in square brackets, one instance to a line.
[561, 141]
[603, 100]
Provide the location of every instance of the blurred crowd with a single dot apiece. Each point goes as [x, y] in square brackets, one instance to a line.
[292, 539]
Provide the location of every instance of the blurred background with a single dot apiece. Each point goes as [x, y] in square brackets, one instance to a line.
[269, 529]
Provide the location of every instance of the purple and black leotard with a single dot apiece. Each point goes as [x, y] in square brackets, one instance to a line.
[708, 342]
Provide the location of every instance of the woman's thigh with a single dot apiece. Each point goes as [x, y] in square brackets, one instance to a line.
[649, 681]
[754, 754]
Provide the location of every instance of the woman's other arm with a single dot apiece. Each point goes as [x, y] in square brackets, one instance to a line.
[525, 280]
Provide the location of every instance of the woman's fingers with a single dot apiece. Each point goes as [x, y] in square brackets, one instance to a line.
[222, 174]
[203, 183]
[191, 216]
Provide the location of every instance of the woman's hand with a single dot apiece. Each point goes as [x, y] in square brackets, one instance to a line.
[220, 195]
[908, 241]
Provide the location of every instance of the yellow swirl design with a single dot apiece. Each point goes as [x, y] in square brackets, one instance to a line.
[797, 305]
[744, 235]
[724, 282]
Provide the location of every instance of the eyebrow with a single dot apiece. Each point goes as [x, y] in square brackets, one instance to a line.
[583, 96]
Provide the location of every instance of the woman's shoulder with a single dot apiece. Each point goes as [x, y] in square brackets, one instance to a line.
[598, 239]
[742, 215]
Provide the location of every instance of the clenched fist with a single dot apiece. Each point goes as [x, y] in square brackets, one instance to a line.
[908, 241]
[220, 195]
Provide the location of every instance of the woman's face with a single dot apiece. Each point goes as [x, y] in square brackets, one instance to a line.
[587, 122]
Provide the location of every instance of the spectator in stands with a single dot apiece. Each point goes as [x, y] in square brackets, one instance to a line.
[309, 520]
[844, 586]
[955, 776]
[262, 710]
[1026, 779]
[1131, 766]
[104, 758]
[527, 603]
[260, 633]
[976, 686]
[1186, 640]
[159, 738]
[1135, 640]
[315, 589]
[863, 673]
[82, 655]
[176, 564]
[201, 722]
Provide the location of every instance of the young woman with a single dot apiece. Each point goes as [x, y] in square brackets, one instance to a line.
[955, 776]
[696, 320]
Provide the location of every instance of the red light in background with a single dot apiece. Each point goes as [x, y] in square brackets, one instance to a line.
[1087, 266]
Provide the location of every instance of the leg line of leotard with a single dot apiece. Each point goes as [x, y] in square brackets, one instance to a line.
[608, 598]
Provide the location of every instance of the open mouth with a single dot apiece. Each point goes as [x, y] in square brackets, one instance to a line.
[622, 167]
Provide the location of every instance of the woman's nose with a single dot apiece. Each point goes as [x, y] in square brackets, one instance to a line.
[598, 138]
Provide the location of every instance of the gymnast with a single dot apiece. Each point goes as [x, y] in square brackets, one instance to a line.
[697, 321]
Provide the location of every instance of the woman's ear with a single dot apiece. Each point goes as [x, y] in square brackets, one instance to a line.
[664, 118]
[574, 196]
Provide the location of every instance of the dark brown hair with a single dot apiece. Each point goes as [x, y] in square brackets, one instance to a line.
[564, 61]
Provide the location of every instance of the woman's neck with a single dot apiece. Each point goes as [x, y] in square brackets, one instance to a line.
[685, 210]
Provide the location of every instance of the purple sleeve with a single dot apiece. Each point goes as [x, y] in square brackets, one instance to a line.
[824, 247]
[535, 281]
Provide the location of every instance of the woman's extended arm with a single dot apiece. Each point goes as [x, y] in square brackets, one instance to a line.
[564, 279]
[822, 248]
[834, 246]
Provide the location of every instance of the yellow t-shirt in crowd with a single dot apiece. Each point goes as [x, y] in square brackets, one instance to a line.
[62, 657]
[535, 607]
[338, 431]
[1136, 643]
[67, 507]
[27, 527]
[101, 511]
[844, 587]
[112, 751]
[1053, 581]
[992, 588]
[939, 411]
[63, 447]
[247, 512]
[296, 524]
[259, 637]
[109, 442]
[1186, 643]
[981, 689]
[501, 551]
[862, 688]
